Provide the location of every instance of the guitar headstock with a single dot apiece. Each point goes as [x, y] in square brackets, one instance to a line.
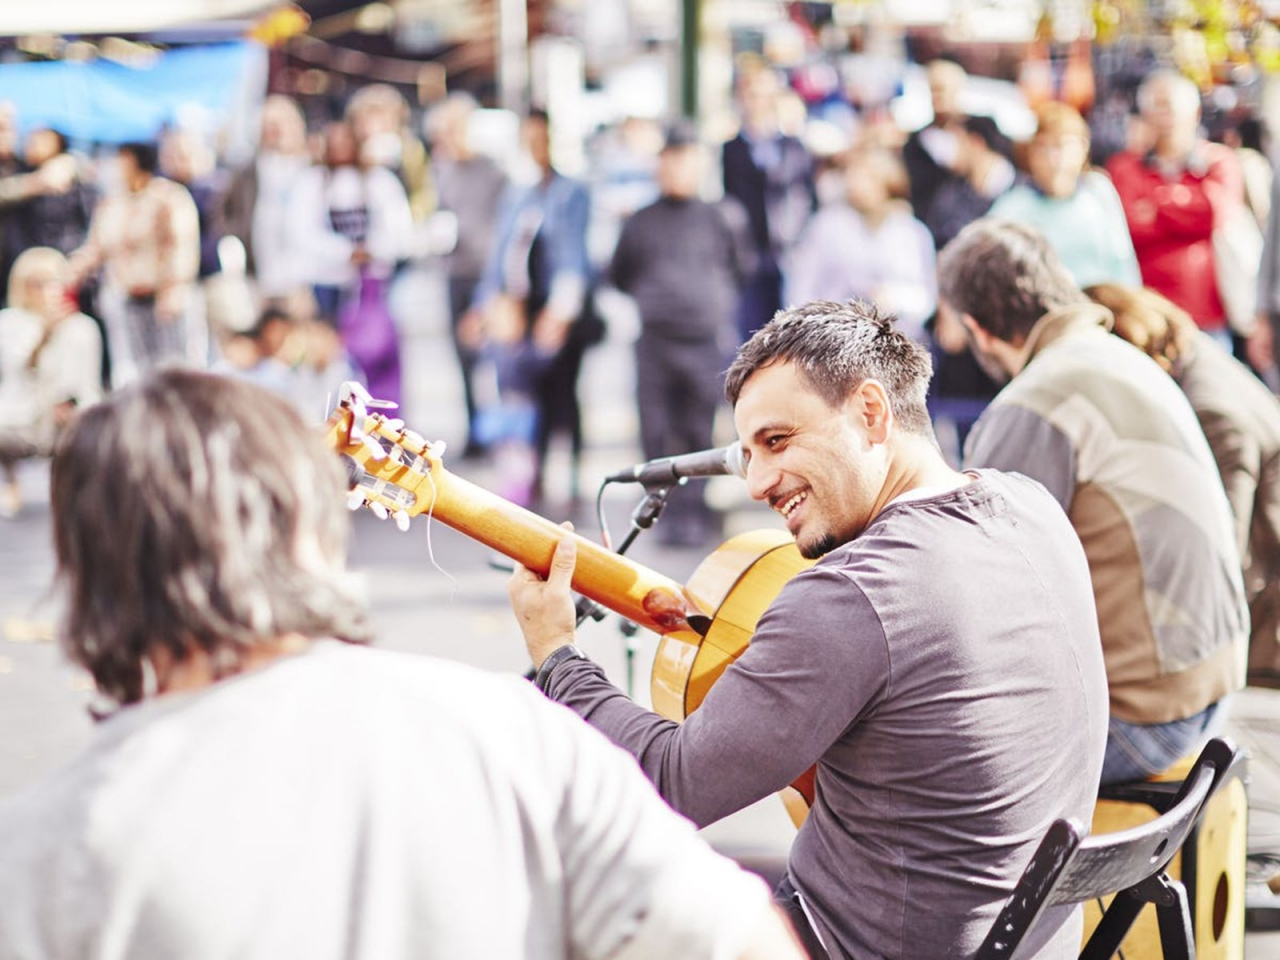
[390, 468]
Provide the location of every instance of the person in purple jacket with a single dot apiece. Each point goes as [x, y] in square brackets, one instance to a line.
[940, 664]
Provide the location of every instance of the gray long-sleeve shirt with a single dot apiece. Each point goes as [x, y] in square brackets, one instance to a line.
[945, 673]
[683, 262]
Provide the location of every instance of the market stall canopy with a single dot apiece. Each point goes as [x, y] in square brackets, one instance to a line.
[104, 101]
[81, 17]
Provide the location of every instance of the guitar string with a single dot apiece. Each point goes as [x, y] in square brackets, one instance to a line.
[431, 553]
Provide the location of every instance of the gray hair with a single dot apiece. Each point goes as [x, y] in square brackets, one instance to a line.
[1182, 88]
[1006, 276]
[196, 513]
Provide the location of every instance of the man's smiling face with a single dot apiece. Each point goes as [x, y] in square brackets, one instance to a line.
[813, 463]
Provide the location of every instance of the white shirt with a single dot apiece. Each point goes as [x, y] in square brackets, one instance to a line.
[840, 256]
[356, 803]
[325, 254]
[276, 262]
[69, 367]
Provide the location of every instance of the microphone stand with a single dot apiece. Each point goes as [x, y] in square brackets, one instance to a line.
[644, 516]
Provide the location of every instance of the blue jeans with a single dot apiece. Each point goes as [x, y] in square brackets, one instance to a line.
[1136, 751]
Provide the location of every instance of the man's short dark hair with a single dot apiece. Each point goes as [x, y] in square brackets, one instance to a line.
[837, 346]
[1006, 276]
[145, 155]
[194, 512]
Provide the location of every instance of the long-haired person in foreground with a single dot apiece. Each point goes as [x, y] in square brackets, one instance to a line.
[268, 786]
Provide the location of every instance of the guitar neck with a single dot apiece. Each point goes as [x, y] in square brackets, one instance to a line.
[638, 593]
[648, 598]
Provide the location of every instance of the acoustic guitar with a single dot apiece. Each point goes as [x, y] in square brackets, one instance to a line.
[704, 625]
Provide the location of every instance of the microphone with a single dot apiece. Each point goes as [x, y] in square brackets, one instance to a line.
[718, 462]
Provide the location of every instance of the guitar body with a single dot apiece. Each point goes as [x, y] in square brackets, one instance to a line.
[738, 582]
[735, 585]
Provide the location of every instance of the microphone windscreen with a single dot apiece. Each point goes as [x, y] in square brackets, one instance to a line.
[735, 460]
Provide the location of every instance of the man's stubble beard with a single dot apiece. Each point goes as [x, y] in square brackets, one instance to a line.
[819, 548]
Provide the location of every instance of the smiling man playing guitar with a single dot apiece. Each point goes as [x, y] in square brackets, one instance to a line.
[940, 664]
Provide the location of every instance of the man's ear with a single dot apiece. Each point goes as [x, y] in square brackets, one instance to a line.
[875, 413]
[981, 338]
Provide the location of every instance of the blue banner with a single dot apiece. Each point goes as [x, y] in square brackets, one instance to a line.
[107, 102]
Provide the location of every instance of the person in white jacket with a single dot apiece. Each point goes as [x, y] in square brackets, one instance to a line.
[351, 223]
[50, 364]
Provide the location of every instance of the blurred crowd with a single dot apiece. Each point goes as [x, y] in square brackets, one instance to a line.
[281, 270]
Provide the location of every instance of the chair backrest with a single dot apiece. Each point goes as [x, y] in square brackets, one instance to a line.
[1068, 868]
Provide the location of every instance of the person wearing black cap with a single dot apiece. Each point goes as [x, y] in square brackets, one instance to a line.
[683, 260]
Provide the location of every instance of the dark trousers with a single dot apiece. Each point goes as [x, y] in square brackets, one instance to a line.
[788, 898]
[559, 411]
[678, 388]
[760, 299]
[328, 302]
[461, 290]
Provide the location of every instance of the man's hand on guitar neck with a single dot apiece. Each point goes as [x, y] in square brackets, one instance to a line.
[544, 606]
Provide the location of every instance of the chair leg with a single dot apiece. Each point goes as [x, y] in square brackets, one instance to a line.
[1113, 927]
[1176, 939]
[1173, 913]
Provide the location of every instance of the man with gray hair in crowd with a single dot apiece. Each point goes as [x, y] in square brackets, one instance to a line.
[267, 786]
[1111, 436]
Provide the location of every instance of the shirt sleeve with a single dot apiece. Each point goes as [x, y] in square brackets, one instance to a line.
[640, 881]
[1239, 459]
[1123, 261]
[391, 217]
[1014, 439]
[1269, 270]
[327, 253]
[817, 660]
[625, 256]
[78, 374]
[178, 230]
[568, 253]
[490, 284]
[807, 264]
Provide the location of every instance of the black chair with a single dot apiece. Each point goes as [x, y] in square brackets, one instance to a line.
[1070, 868]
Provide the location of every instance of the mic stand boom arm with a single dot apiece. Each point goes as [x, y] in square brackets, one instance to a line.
[643, 517]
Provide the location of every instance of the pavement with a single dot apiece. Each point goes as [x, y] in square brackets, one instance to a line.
[433, 591]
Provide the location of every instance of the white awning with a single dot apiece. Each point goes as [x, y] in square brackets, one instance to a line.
[24, 17]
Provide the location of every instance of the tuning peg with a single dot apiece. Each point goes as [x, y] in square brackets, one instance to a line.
[415, 439]
[378, 509]
[437, 449]
[402, 521]
[375, 448]
[353, 394]
[355, 500]
[395, 424]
